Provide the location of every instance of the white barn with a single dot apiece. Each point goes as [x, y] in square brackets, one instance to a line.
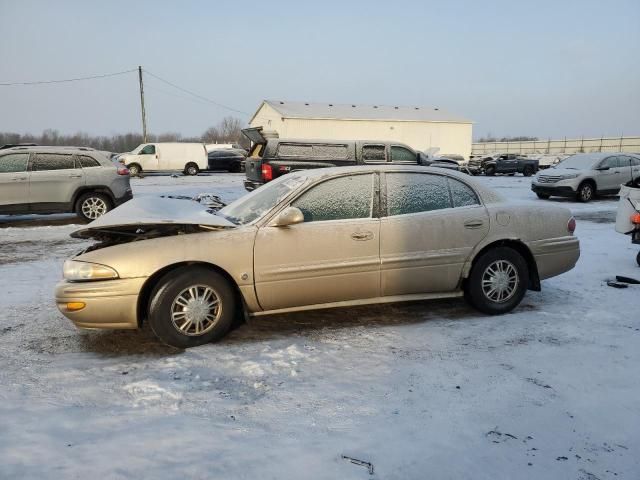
[419, 127]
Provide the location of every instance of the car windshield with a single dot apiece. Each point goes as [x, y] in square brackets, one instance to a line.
[250, 207]
[578, 162]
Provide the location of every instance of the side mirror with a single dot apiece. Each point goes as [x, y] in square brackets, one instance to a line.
[289, 216]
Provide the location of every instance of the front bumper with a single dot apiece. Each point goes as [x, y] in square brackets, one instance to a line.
[109, 304]
[554, 191]
[251, 185]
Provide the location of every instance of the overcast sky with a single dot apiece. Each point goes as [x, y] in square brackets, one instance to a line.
[558, 68]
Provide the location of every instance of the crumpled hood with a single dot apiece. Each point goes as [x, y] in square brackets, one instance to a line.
[149, 210]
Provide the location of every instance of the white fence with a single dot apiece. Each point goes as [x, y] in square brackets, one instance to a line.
[604, 144]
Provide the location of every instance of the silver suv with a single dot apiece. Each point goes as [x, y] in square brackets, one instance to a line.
[584, 175]
[61, 179]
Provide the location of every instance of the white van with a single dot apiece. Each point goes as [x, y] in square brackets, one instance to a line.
[189, 158]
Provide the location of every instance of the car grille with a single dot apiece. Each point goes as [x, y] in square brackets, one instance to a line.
[549, 178]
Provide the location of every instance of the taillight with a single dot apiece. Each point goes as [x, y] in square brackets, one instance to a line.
[635, 218]
[267, 173]
[123, 170]
[571, 225]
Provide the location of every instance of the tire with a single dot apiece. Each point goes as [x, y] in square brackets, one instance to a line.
[180, 287]
[234, 168]
[528, 171]
[638, 259]
[543, 196]
[191, 169]
[92, 205]
[586, 192]
[478, 289]
[135, 170]
[490, 171]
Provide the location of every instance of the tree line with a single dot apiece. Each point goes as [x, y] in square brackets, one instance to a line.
[228, 130]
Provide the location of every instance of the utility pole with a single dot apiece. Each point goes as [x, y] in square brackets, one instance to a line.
[144, 115]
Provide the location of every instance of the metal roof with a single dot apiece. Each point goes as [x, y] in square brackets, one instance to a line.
[335, 111]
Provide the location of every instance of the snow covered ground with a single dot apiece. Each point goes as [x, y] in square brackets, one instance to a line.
[421, 390]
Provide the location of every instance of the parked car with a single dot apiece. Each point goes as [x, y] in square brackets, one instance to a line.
[584, 175]
[60, 179]
[189, 158]
[312, 239]
[509, 163]
[229, 159]
[273, 157]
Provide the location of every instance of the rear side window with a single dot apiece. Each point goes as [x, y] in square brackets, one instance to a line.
[373, 154]
[402, 155]
[14, 162]
[338, 199]
[319, 151]
[416, 192]
[294, 150]
[635, 161]
[52, 161]
[461, 194]
[86, 161]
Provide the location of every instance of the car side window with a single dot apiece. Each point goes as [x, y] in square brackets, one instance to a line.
[635, 161]
[52, 161]
[416, 192]
[402, 155]
[148, 150]
[337, 199]
[461, 194]
[14, 162]
[611, 162]
[87, 162]
[373, 154]
[295, 150]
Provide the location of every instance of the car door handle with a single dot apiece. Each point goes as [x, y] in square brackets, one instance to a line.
[18, 179]
[362, 236]
[75, 176]
[475, 223]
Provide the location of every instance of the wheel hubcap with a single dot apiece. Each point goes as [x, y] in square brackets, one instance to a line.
[196, 310]
[500, 281]
[94, 207]
[586, 192]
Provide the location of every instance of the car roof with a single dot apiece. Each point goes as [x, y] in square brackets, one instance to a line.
[51, 149]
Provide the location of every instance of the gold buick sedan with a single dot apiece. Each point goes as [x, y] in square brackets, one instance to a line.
[331, 237]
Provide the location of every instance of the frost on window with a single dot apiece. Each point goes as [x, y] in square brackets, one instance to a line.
[373, 153]
[462, 195]
[14, 162]
[294, 150]
[416, 192]
[337, 199]
[402, 155]
[52, 161]
[87, 161]
[330, 152]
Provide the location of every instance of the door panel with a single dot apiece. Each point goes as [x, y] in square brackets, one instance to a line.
[317, 262]
[14, 179]
[425, 252]
[53, 179]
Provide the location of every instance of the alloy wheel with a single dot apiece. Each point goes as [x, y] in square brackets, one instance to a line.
[94, 207]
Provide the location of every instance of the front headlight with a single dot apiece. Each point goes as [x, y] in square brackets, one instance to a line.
[569, 176]
[76, 271]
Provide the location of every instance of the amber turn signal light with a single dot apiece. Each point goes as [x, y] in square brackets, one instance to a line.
[635, 218]
[75, 306]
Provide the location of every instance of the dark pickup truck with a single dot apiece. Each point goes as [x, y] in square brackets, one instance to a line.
[509, 163]
[273, 157]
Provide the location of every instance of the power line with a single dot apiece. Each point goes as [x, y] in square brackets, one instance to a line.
[195, 94]
[92, 77]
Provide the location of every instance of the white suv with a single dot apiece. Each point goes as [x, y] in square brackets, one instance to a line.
[584, 175]
[61, 179]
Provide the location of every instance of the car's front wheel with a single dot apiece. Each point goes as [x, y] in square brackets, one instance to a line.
[191, 306]
[490, 171]
[92, 205]
[498, 281]
[585, 192]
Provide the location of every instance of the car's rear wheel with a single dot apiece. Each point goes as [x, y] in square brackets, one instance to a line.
[235, 167]
[543, 196]
[191, 306]
[490, 171]
[191, 169]
[585, 192]
[498, 281]
[134, 170]
[638, 259]
[92, 205]
[528, 171]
